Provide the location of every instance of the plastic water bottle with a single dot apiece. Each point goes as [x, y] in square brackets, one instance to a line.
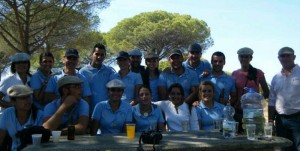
[228, 122]
[251, 103]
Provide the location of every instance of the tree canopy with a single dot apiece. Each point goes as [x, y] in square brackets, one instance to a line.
[158, 31]
[28, 25]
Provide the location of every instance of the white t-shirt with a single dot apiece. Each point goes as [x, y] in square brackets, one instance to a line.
[174, 118]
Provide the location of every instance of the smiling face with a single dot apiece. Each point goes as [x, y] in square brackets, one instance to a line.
[115, 94]
[145, 96]
[194, 56]
[124, 63]
[46, 64]
[98, 57]
[175, 96]
[176, 61]
[23, 103]
[206, 93]
[217, 63]
[21, 67]
[70, 62]
[287, 61]
[152, 63]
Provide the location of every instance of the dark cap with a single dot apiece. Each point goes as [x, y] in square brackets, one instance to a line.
[195, 47]
[68, 79]
[19, 91]
[135, 52]
[245, 51]
[149, 55]
[122, 54]
[71, 52]
[115, 83]
[286, 50]
[175, 52]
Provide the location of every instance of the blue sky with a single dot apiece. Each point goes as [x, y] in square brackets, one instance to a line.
[263, 25]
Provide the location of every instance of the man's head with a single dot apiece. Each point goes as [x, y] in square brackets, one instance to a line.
[20, 96]
[218, 61]
[245, 56]
[287, 57]
[176, 59]
[70, 85]
[115, 89]
[195, 52]
[71, 58]
[135, 57]
[123, 60]
[98, 55]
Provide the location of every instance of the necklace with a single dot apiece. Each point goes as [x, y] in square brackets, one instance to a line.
[145, 112]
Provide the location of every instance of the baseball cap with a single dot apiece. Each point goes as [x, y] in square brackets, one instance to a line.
[195, 47]
[71, 52]
[285, 50]
[19, 57]
[68, 79]
[19, 91]
[115, 83]
[175, 51]
[135, 52]
[245, 51]
[122, 54]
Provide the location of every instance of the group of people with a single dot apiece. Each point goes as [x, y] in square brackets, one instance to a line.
[96, 98]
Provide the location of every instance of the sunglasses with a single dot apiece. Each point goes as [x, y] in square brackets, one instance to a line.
[195, 52]
[116, 89]
[174, 93]
[72, 58]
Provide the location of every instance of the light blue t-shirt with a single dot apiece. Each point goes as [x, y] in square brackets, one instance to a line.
[143, 122]
[36, 83]
[203, 65]
[207, 116]
[224, 81]
[130, 80]
[187, 80]
[52, 85]
[80, 109]
[10, 124]
[109, 121]
[97, 78]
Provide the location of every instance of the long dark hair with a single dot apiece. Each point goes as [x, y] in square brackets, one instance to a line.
[146, 77]
[177, 85]
[252, 73]
[13, 68]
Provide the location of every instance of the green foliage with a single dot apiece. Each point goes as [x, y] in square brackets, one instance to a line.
[158, 31]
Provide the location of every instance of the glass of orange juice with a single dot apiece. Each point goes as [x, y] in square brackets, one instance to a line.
[130, 128]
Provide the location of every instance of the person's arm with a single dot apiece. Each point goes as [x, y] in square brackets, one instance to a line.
[233, 97]
[192, 96]
[54, 121]
[88, 100]
[2, 136]
[162, 127]
[136, 95]
[271, 113]
[194, 122]
[162, 93]
[49, 96]
[81, 126]
[94, 127]
[264, 86]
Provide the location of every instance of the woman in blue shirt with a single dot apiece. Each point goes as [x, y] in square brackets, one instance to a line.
[208, 110]
[112, 115]
[21, 115]
[146, 115]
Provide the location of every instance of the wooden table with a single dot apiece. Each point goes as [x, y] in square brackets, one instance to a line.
[179, 141]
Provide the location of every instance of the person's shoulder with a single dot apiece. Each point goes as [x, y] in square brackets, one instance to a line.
[8, 111]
